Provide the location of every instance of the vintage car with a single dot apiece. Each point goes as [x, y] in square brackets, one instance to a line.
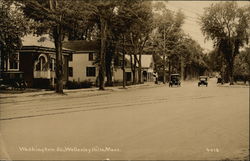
[13, 80]
[203, 81]
[174, 79]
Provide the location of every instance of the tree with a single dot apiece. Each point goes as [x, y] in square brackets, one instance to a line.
[102, 13]
[227, 25]
[13, 26]
[195, 61]
[140, 32]
[167, 33]
[55, 18]
[129, 29]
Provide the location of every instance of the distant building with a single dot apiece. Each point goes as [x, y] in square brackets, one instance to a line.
[147, 69]
[118, 72]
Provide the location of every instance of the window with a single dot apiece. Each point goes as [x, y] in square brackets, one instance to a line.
[14, 61]
[91, 72]
[91, 56]
[70, 71]
[41, 64]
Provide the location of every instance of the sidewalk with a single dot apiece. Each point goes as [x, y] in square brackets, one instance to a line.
[234, 86]
[31, 94]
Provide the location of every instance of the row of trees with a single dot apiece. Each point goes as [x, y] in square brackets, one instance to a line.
[126, 27]
[121, 27]
[175, 50]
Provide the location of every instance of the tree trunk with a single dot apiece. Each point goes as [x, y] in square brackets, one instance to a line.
[231, 68]
[182, 68]
[59, 64]
[134, 71]
[139, 70]
[169, 69]
[102, 53]
[2, 61]
[109, 74]
[123, 70]
[108, 64]
[132, 68]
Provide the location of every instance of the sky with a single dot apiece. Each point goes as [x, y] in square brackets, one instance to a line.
[192, 10]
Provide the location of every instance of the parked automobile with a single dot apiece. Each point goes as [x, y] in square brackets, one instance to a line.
[13, 81]
[202, 81]
[174, 79]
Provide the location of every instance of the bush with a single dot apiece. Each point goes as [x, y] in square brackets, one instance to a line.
[86, 84]
[72, 85]
[78, 85]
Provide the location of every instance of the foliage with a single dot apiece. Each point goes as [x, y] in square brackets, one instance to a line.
[167, 34]
[13, 26]
[228, 26]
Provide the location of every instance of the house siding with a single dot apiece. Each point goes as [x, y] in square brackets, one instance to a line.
[79, 64]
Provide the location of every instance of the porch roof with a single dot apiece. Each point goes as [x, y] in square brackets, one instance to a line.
[43, 49]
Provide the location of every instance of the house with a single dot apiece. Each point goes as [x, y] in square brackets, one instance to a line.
[82, 66]
[38, 65]
[35, 63]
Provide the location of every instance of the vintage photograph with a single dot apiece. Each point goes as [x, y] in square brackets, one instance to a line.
[124, 80]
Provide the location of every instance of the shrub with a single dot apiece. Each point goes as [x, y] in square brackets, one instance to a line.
[86, 84]
[78, 85]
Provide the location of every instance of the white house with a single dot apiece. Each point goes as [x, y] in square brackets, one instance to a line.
[82, 65]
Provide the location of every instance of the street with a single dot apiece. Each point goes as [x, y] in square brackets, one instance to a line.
[147, 122]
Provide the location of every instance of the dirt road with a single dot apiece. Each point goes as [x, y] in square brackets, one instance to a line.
[148, 122]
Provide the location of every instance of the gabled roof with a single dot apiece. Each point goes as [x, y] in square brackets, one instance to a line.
[81, 45]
